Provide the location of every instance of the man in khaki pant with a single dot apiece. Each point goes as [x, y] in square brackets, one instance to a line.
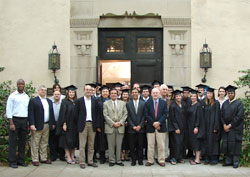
[41, 119]
[156, 111]
[115, 114]
[87, 123]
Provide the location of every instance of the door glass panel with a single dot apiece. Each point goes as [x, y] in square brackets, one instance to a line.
[115, 45]
[145, 45]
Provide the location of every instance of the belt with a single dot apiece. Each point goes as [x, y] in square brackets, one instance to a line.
[88, 120]
[46, 122]
[19, 117]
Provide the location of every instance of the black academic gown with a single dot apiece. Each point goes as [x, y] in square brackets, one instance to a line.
[232, 113]
[101, 139]
[194, 116]
[177, 121]
[211, 118]
[66, 115]
[186, 102]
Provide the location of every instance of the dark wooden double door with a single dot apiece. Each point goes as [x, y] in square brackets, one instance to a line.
[143, 47]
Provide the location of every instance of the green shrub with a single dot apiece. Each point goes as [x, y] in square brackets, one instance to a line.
[244, 81]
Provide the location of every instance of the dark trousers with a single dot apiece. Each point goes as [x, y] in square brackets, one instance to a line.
[55, 150]
[136, 146]
[232, 159]
[17, 138]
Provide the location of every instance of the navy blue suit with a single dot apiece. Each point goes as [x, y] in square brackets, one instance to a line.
[162, 114]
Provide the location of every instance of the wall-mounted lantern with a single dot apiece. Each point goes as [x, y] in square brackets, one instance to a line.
[54, 61]
[205, 60]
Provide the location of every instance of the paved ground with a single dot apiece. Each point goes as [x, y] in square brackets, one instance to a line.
[61, 169]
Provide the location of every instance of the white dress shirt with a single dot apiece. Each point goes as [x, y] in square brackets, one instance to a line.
[45, 108]
[88, 108]
[136, 102]
[17, 105]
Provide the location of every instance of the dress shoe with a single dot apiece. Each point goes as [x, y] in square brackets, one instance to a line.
[149, 164]
[120, 164]
[13, 165]
[227, 164]
[46, 162]
[82, 166]
[92, 165]
[140, 163]
[22, 164]
[235, 165]
[133, 163]
[35, 163]
[62, 159]
[162, 164]
[102, 161]
[111, 164]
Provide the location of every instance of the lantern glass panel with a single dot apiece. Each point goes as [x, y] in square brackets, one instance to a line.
[205, 60]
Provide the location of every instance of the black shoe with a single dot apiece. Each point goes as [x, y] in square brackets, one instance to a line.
[62, 159]
[102, 161]
[133, 163]
[227, 164]
[140, 163]
[13, 165]
[120, 164]
[235, 165]
[111, 164]
[22, 164]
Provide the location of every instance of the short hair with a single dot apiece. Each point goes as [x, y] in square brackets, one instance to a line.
[115, 90]
[54, 86]
[41, 87]
[163, 85]
[136, 89]
[20, 80]
[223, 89]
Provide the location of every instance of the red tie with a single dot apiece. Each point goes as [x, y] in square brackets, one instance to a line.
[156, 110]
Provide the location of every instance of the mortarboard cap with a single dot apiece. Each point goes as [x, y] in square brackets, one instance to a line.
[231, 88]
[118, 84]
[156, 82]
[98, 84]
[192, 91]
[104, 87]
[91, 85]
[125, 90]
[185, 88]
[177, 92]
[170, 87]
[201, 86]
[209, 89]
[70, 87]
[145, 87]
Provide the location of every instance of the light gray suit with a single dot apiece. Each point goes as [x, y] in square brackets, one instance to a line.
[114, 135]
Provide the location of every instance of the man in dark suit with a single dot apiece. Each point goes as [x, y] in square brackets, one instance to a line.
[156, 112]
[41, 120]
[86, 111]
[136, 127]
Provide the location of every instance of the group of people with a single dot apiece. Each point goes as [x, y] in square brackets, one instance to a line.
[153, 122]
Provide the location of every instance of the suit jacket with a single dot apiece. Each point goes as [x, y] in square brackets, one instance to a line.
[162, 115]
[135, 119]
[80, 114]
[109, 115]
[36, 113]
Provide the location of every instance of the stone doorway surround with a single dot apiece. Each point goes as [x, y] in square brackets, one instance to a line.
[176, 46]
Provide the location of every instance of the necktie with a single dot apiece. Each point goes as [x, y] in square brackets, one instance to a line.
[136, 106]
[156, 110]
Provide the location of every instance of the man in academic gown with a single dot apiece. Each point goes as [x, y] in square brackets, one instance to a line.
[186, 102]
[232, 120]
[201, 94]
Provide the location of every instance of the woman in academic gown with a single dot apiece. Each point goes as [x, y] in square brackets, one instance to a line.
[211, 143]
[101, 144]
[195, 126]
[176, 127]
[125, 142]
[66, 125]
